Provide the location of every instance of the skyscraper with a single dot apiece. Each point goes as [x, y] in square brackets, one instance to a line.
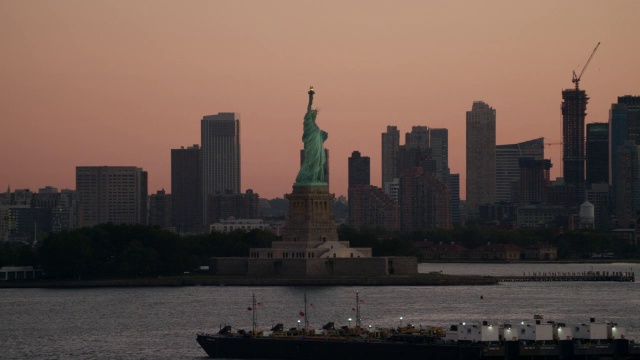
[186, 189]
[624, 125]
[390, 145]
[116, 194]
[439, 144]
[370, 206]
[481, 156]
[359, 170]
[417, 138]
[597, 153]
[454, 194]
[534, 181]
[507, 168]
[220, 155]
[574, 107]
[160, 209]
[424, 201]
[627, 184]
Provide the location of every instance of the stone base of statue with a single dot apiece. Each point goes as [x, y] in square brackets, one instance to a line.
[310, 219]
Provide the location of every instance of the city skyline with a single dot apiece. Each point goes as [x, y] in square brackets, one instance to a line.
[120, 84]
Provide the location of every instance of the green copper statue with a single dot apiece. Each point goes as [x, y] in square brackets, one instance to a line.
[312, 169]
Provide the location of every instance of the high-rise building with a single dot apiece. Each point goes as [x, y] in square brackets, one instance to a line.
[220, 155]
[233, 206]
[186, 189]
[481, 156]
[390, 145]
[439, 144]
[598, 195]
[160, 209]
[533, 181]
[627, 184]
[424, 201]
[597, 153]
[624, 125]
[417, 138]
[507, 169]
[392, 188]
[574, 107]
[116, 194]
[454, 192]
[371, 207]
[359, 169]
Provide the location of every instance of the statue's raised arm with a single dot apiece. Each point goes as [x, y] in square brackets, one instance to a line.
[311, 92]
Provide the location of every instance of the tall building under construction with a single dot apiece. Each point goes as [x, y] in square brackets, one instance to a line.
[574, 111]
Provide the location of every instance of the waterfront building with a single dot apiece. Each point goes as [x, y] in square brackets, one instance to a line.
[502, 252]
[541, 251]
[8, 273]
[597, 153]
[116, 194]
[481, 156]
[451, 252]
[186, 189]
[220, 140]
[508, 169]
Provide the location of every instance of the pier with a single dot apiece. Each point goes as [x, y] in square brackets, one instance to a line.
[622, 276]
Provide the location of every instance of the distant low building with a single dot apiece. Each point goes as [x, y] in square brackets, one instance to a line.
[541, 251]
[503, 252]
[543, 216]
[231, 225]
[19, 273]
[445, 252]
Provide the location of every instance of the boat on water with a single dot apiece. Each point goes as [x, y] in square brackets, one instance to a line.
[534, 339]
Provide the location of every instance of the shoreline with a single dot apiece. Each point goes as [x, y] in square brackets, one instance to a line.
[400, 280]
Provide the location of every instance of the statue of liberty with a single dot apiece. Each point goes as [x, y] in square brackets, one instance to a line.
[312, 169]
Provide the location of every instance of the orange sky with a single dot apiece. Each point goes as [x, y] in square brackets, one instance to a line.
[123, 82]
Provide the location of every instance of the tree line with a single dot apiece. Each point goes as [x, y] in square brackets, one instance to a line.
[110, 251]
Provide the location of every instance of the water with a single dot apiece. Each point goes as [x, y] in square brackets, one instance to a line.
[161, 323]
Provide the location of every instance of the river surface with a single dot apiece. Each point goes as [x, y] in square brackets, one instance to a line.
[161, 323]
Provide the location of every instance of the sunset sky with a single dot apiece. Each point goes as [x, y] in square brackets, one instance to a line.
[123, 82]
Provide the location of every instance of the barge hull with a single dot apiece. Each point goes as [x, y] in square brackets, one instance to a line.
[240, 347]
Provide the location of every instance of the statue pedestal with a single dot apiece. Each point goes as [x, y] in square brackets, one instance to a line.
[310, 218]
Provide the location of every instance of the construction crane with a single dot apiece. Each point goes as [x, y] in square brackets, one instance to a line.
[576, 78]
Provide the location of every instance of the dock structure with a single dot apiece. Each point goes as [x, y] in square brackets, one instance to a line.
[621, 276]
